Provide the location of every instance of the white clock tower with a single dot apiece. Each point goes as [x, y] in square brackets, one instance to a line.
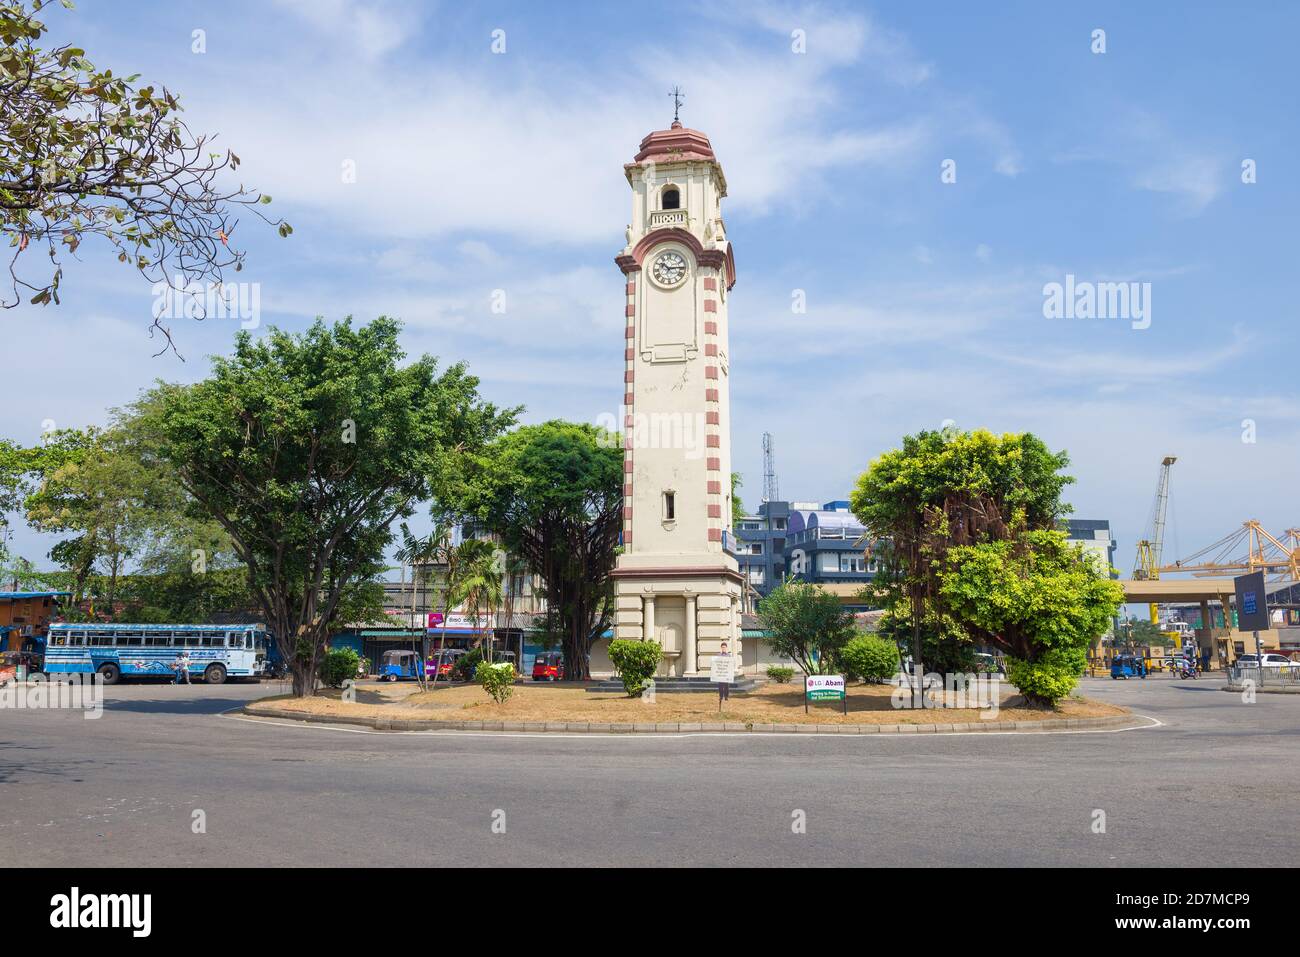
[677, 581]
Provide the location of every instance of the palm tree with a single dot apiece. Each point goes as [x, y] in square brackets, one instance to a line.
[480, 579]
[435, 548]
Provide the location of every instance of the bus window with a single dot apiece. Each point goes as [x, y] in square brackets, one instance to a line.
[248, 639]
[131, 638]
[192, 640]
[59, 638]
[233, 640]
[212, 639]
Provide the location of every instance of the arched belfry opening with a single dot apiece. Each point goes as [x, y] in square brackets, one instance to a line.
[672, 198]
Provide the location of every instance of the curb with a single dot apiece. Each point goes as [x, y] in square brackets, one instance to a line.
[570, 727]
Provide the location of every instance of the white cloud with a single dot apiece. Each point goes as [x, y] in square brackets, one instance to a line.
[371, 27]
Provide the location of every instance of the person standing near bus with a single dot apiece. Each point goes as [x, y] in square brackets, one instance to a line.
[182, 666]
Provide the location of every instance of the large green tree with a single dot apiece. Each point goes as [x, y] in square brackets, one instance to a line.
[948, 488]
[86, 153]
[306, 448]
[807, 624]
[1038, 598]
[951, 498]
[553, 494]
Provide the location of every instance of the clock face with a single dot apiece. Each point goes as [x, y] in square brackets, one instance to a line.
[670, 268]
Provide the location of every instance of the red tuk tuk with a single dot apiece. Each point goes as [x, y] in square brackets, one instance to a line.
[548, 666]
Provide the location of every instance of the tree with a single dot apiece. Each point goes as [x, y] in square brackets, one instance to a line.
[479, 588]
[86, 153]
[306, 448]
[737, 507]
[1038, 598]
[1141, 632]
[806, 624]
[553, 494]
[951, 488]
[102, 496]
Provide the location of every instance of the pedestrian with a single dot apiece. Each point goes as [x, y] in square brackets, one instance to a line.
[724, 687]
[182, 666]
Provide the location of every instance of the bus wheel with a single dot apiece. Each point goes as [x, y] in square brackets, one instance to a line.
[215, 675]
[110, 673]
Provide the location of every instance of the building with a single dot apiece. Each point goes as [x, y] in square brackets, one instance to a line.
[677, 580]
[1094, 535]
[814, 542]
[25, 617]
[417, 617]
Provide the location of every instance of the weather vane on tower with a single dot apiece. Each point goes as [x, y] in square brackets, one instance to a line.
[677, 96]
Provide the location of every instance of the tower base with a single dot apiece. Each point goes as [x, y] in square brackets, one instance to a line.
[692, 610]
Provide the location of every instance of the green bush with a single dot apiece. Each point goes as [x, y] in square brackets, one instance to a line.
[636, 663]
[1048, 680]
[338, 665]
[870, 658]
[498, 680]
[780, 673]
[466, 666]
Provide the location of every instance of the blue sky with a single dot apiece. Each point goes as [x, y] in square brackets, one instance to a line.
[478, 171]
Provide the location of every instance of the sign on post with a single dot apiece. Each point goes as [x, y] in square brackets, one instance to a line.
[722, 669]
[1252, 603]
[1252, 611]
[824, 688]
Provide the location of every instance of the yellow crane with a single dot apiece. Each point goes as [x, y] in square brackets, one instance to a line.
[1264, 553]
[1149, 549]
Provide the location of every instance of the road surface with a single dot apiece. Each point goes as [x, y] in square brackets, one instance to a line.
[1216, 784]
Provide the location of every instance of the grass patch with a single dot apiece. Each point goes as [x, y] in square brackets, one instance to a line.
[768, 704]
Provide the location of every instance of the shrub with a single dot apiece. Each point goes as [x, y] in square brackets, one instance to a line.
[466, 666]
[636, 663]
[780, 673]
[869, 657]
[1049, 679]
[338, 665]
[498, 680]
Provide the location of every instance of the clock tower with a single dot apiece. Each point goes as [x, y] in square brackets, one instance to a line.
[677, 581]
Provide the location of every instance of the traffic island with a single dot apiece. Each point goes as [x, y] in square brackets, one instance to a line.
[571, 708]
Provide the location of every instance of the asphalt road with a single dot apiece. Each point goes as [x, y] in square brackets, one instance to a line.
[1216, 784]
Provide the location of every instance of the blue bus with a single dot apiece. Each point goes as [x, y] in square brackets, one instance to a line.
[215, 652]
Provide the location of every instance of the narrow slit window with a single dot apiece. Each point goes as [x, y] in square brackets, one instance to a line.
[670, 506]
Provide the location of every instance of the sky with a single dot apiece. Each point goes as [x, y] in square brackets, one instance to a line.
[917, 174]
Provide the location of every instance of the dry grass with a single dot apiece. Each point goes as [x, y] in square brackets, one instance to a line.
[768, 704]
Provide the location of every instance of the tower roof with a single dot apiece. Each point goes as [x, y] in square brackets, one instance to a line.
[675, 144]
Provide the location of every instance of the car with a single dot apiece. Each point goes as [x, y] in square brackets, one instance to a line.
[1271, 660]
[548, 666]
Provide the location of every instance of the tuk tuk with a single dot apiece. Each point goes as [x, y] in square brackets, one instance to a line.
[548, 666]
[1127, 666]
[442, 662]
[402, 663]
[18, 666]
